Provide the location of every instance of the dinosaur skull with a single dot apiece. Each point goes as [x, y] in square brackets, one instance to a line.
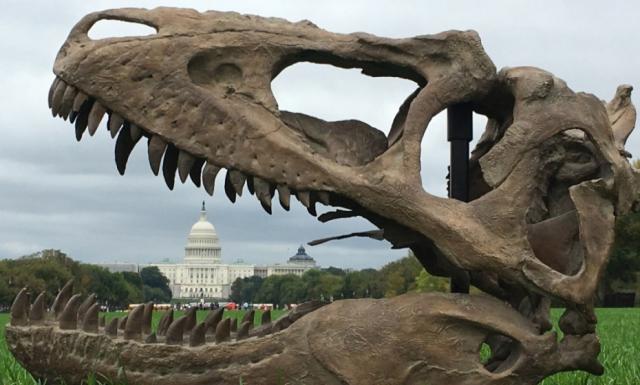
[548, 177]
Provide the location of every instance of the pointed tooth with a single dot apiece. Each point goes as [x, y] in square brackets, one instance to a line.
[190, 322]
[233, 325]
[56, 101]
[38, 309]
[133, 327]
[250, 186]
[62, 298]
[266, 317]
[83, 118]
[185, 162]
[324, 197]
[67, 101]
[114, 123]
[151, 339]
[196, 171]
[69, 317]
[165, 321]
[312, 208]
[229, 190]
[20, 308]
[169, 165]
[135, 131]
[209, 177]
[243, 332]
[263, 192]
[95, 117]
[90, 319]
[84, 306]
[237, 181]
[147, 317]
[122, 322]
[284, 195]
[111, 329]
[197, 336]
[304, 197]
[52, 90]
[124, 146]
[78, 101]
[223, 330]
[156, 149]
[175, 331]
[213, 318]
[102, 321]
[249, 316]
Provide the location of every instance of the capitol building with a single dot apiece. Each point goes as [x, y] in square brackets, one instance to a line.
[203, 274]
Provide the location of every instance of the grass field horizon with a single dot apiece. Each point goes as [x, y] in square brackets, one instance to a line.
[618, 329]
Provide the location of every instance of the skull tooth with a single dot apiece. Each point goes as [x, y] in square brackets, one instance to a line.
[237, 179]
[20, 308]
[147, 317]
[175, 331]
[115, 122]
[165, 321]
[84, 306]
[62, 298]
[250, 186]
[122, 322]
[213, 318]
[304, 197]
[243, 331]
[56, 101]
[249, 316]
[135, 131]
[156, 148]
[266, 317]
[196, 171]
[185, 162]
[209, 174]
[124, 146]
[233, 325]
[78, 101]
[90, 319]
[169, 165]
[95, 117]
[83, 118]
[190, 321]
[52, 91]
[323, 197]
[284, 195]
[229, 190]
[67, 101]
[111, 329]
[133, 327]
[36, 314]
[223, 330]
[151, 339]
[69, 317]
[197, 336]
[263, 192]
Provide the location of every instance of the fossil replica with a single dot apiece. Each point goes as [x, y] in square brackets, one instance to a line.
[546, 182]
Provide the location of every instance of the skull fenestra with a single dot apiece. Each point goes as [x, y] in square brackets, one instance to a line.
[547, 180]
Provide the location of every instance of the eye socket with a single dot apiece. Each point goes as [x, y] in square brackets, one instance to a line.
[107, 28]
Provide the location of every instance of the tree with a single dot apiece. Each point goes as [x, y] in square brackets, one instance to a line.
[245, 289]
[155, 285]
[426, 282]
[624, 262]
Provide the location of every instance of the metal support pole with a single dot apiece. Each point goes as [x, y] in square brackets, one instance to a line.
[459, 134]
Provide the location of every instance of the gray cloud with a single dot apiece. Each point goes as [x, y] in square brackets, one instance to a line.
[57, 193]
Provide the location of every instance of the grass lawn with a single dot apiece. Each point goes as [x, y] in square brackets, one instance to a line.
[619, 331]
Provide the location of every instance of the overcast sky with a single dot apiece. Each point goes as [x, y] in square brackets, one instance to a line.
[57, 193]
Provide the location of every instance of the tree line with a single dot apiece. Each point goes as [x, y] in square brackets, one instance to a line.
[393, 279]
[48, 270]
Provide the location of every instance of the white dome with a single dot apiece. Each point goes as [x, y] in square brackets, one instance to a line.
[203, 243]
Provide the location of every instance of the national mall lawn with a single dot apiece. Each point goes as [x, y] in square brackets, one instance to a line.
[619, 331]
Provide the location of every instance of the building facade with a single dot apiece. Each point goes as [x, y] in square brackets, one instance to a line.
[203, 275]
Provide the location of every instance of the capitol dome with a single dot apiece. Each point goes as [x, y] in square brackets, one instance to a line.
[203, 245]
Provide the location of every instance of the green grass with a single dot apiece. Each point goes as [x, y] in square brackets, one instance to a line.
[619, 331]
